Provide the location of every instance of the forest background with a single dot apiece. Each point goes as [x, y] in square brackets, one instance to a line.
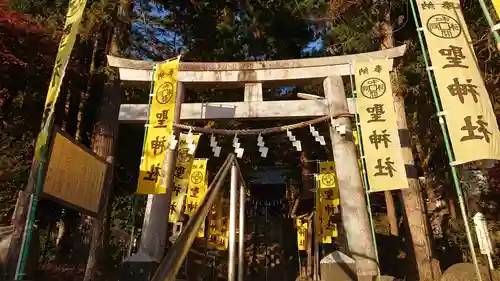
[222, 30]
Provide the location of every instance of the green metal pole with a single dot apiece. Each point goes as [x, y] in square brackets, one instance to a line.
[315, 228]
[363, 167]
[447, 144]
[34, 203]
[490, 23]
[151, 93]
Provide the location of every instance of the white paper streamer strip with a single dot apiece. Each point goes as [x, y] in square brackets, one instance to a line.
[172, 142]
[216, 149]
[317, 137]
[296, 143]
[262, 148]
[237, 149]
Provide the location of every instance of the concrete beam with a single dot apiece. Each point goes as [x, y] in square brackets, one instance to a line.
[137, 113]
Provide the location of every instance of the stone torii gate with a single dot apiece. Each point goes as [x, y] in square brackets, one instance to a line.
[251, 76]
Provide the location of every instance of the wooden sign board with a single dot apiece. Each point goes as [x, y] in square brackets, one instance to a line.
[74, 175]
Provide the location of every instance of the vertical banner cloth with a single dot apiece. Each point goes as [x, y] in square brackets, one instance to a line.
[466, 104]
[197, 186]
[301, 234]
[201, 231]
[73, 18]
[496, 4]
[159, 128]
[181, 176]
[329, 201]
[356, 143]
[377, 117]
[218, 227]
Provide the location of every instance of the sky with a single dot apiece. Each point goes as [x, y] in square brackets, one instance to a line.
[315, 45]
[167, 37]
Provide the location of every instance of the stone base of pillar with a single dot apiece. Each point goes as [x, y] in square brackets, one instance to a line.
[138, 267]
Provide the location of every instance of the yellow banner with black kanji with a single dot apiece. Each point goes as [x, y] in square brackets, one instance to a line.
[467, 109]
[70, 31]
[327, 200]
[201, 231]
[197, 186]
[159, 128]
[355, 135]
[182, 171]
[380, 136]
[301, 234]
[218, 229]
[496, 4]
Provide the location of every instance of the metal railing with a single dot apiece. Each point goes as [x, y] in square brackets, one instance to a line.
[169, 267]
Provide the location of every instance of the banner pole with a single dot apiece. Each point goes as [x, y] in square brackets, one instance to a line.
[315, 231]
[28, 230]
[449, 151]
[151, 93]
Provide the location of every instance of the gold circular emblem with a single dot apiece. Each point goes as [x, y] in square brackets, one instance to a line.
[197, 177]
[328, 179]
[183, 156]
[164, 93]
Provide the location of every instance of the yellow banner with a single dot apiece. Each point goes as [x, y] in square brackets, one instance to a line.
[380, 137]
[327, 203]
[319, 213]
[73, 18]
[181, 176]
[212, 233]
[496, 4]
[355, 134]
[197, 186]
[301, 234]
[223, 237]
[467, 108]
[218, 230]
[201, 231]
[159, 128]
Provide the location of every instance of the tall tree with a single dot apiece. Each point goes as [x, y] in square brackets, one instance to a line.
[421, 238]
[106, 131]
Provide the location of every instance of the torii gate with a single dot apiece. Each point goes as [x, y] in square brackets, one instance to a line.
[250, 76]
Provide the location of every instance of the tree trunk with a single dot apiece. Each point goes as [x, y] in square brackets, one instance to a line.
[84, 96]
[105, 135]
[391, 213]
[307, 177]
[451, 209]
[103, 143]
[428, 268]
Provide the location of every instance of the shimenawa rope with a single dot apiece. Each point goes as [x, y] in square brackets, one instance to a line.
[261, 131]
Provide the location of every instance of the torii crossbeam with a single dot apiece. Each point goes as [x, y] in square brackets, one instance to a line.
[251, 76]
